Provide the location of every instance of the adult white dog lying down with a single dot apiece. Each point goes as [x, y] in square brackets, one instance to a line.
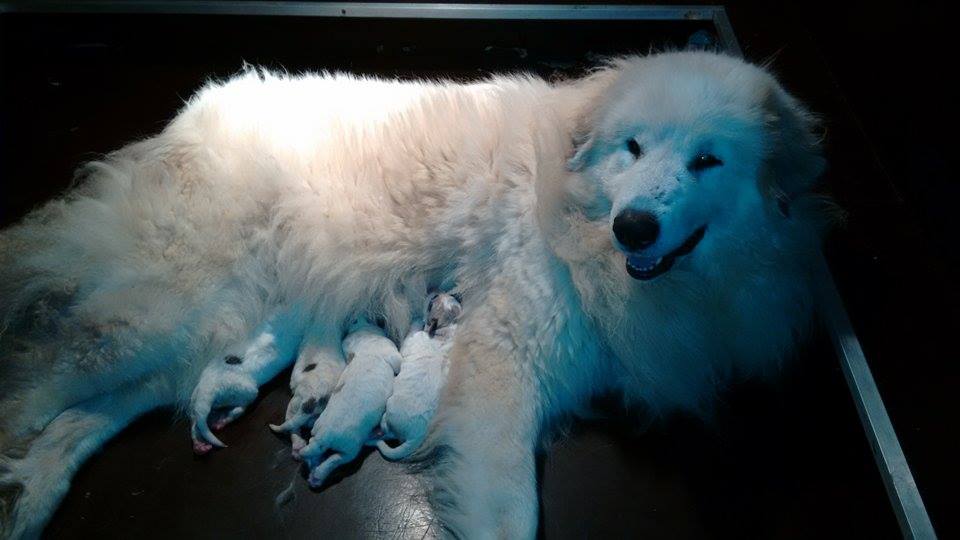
[644, 230]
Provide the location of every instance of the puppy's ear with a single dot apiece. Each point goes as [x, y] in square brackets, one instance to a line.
[794, 161]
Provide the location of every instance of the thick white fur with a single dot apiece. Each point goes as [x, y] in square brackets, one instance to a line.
[355, 195]
[423, 372]
[357, 404]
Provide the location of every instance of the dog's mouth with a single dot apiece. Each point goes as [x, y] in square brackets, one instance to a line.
[644, 268]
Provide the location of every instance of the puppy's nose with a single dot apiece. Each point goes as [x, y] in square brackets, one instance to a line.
[636, 229]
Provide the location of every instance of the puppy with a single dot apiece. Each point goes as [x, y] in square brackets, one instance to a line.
[357, 404]
[416, 390]
[230, 383]
[318, 370]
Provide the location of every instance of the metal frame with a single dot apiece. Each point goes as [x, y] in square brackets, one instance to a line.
[597, 12]
[363, 9]
[891, 462]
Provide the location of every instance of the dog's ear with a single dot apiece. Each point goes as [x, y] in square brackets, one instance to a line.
[584, 148]
[587, 144]
[794, 161]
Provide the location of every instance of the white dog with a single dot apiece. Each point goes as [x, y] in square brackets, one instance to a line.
[423, 371]
[357, 404]
[646, 230]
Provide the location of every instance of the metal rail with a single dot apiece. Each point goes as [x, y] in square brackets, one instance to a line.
[891, 462]
[365, 9]
[597, 12]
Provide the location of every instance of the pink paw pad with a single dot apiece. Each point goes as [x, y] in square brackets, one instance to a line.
[200, 447]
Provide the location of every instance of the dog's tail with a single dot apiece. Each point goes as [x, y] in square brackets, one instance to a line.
[400, 452]
[292, 424]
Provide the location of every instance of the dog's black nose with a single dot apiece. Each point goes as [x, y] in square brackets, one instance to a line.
[636, 229]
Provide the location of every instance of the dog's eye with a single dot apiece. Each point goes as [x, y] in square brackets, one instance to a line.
[704, 161]
[634, 147]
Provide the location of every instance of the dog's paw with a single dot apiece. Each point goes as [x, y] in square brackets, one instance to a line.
[29, 493]
[10, 492]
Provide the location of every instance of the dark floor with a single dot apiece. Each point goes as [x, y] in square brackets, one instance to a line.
[780, 460]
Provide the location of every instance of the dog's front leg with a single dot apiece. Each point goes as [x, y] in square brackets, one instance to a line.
[486, 486]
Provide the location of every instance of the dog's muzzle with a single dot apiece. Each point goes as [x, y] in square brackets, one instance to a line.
[643, 268]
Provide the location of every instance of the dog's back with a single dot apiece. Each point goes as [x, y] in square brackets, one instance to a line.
[356, 193]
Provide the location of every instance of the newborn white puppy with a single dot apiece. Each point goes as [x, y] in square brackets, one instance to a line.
[322, 368]
[423, 371]
[229, 383]
[357, 404]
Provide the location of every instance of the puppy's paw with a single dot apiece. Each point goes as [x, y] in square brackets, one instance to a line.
[219, 398]
[203, 438]
[201, 448]
[297, 444]
[221, 418]
[321, 471]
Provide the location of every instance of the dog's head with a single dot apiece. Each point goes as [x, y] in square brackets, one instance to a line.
[682, 154]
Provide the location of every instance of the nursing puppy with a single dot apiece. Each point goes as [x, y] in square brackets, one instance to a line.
[313, 381]
[645, 230]
[423, 371]
[230, 383]
[440, 318]
[357, 404]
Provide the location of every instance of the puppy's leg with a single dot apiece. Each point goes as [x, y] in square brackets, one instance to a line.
[35, 479]
[320, 473]
[485, 487]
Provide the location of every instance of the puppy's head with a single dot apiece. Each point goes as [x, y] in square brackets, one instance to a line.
[442, 310]
[685, 155]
